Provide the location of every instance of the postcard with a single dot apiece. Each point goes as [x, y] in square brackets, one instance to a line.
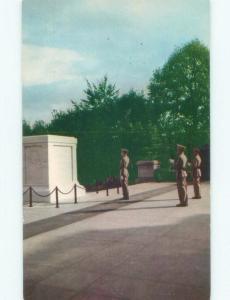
[116, 149]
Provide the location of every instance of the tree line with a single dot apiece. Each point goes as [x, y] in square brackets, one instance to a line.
[174, 110]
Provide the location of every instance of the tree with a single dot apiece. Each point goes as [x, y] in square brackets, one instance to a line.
[40, 127]
[179, 92]
[100, 94]
[27, 130]
[132, 107]
[176, 110]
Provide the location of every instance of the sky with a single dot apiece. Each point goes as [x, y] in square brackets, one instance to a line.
[66, 42]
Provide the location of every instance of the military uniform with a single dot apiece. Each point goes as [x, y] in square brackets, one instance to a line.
[181, 177]
[196, 173]
[124, 176]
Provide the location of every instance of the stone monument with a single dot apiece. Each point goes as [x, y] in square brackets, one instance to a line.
[50, 161]
[146, 170]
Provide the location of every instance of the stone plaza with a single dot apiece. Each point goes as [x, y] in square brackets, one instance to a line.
[104, 248]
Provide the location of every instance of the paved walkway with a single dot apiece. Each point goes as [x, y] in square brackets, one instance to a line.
[105, 248]
[42, 211]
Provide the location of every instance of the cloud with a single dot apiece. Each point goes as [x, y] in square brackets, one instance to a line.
[155, 9]
[125, 39]
[45, 65]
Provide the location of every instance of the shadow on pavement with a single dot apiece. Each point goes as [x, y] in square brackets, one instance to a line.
[45, 225]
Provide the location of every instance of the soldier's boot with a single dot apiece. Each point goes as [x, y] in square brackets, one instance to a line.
[126, 196]
[198, 196]
[186, 200]
[196, 191]
[181, 203]
[179, 195]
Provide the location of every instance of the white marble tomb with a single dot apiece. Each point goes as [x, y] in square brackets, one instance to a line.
[50, 161]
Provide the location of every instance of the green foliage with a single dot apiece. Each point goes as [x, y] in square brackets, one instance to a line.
[179, 92]
[99, 95]
[27, 130]
[176, 110]
[40, 127]
[164, 174]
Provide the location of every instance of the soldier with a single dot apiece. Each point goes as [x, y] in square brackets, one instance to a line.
[124, 173]
[181, 176]
[196, 173]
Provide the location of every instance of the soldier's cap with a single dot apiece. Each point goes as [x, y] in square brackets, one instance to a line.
[180, 147]
[125, 150]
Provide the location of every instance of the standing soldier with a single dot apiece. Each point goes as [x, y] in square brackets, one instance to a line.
[196, 173]
[124, 173]
[181, 176]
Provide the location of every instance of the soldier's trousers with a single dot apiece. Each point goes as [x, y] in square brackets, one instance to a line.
[182, 190]
[124, 186]
[196, 186]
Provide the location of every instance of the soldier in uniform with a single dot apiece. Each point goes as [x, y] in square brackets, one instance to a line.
[124, 173]
[196, 173]
[181, 175]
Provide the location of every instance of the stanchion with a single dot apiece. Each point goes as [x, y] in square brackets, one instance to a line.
[30, 197]
[107, 190]
[75, 193]
[118, 190]
[56, 192]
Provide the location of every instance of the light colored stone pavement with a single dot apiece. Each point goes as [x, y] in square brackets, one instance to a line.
[41, 211]
[145, 248]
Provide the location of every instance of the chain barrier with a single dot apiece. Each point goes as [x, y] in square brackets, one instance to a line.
[63, 193]
[44, 196]
[107, 185]
[26, 191]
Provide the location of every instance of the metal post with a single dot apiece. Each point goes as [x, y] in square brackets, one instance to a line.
[56, 192]
[96, 188]
[30, 197]
[107, 190]
[118, 189]
[75, 193]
